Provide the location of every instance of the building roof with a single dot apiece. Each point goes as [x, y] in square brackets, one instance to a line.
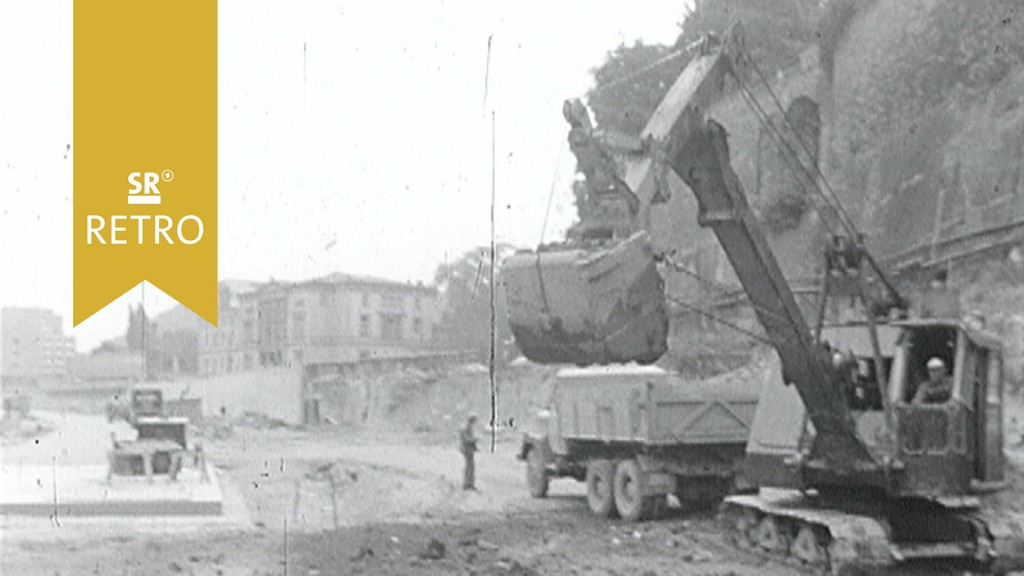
[344, 279]
[237, 286]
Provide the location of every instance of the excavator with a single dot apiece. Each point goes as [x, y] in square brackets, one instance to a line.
[849, 473]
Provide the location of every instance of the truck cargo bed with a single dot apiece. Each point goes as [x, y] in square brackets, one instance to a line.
[633, 404]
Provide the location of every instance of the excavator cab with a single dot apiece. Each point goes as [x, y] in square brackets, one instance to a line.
[948, 446]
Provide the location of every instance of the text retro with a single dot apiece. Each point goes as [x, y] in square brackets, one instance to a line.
[144, 228]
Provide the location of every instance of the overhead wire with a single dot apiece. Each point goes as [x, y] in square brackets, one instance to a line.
[814, 164]
[645, 69]
[835, 203]
[721, 289]
[554, 183]
[793, 161]
[719, 319]
[782, 141]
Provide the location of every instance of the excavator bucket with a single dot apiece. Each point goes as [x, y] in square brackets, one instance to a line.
[588, 305]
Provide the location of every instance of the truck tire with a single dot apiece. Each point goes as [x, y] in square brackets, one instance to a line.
[600, 494]
[630, 501]
[536, 473]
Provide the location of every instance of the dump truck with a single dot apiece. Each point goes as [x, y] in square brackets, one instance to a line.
[854, 473]
[684, 438]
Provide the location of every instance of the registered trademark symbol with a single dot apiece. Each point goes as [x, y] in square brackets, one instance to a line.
[167, 175]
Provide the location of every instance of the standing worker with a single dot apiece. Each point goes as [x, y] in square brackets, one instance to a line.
[468, 445]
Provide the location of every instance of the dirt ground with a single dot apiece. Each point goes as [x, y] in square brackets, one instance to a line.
[397, 509]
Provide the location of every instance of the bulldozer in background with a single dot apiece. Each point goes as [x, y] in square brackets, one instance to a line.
[161, 442]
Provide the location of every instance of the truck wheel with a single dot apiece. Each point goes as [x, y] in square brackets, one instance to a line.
[630, 483]
[536, 473]
[600, 496]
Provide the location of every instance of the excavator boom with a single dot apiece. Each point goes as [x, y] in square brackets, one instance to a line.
[702, 161]
[679, 138]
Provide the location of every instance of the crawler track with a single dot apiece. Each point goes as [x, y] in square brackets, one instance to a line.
[786, 525]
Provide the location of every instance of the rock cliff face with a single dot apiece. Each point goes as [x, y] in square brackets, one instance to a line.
[915, 114]
[926, 127]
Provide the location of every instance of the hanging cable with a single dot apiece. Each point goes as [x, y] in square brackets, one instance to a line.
[779, 140]
[838, 205]
[632, 75]
[702, 280]
[551, 193]
[845, 222]
[834, 204]
[719, 319]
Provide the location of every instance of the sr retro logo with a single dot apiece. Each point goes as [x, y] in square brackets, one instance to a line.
[144, 228]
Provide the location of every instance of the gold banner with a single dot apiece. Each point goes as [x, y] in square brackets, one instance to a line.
[145, 141]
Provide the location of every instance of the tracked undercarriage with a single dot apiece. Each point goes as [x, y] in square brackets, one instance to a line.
[861, 537]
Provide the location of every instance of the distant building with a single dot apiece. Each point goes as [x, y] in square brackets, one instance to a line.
[33, 346]
[106, 368]
[174, 348]
[335, 318]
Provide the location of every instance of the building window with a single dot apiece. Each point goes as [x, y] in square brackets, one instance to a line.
[299, 326]
[417, 325]
[364, 325]
[391, 326]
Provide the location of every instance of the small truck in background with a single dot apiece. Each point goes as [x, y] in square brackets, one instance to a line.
[636, 434]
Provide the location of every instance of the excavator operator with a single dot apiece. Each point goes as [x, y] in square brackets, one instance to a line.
[938, 387]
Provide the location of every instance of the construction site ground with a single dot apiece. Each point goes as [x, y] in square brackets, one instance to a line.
[398, 508]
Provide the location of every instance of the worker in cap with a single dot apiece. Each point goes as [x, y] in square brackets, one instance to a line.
[938, 387]
[468, 447]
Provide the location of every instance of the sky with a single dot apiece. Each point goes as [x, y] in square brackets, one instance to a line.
[353, 136]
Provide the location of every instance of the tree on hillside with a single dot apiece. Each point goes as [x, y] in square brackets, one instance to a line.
[466, 318]
[629, 85]
[633, 79]
[776, 32]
